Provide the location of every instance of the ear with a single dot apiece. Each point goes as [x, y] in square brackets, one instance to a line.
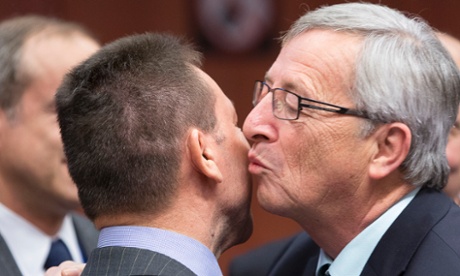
[393, 142]
[202, 155]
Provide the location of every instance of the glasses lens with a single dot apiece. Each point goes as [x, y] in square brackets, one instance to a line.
[285, 105]
[258, 92]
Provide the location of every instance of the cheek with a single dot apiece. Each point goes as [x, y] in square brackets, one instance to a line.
[453, 151]
[308, 151]
[49, 138]
[321, 154]
[236, 156]
[299, 163]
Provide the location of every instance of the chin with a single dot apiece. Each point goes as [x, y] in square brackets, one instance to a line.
[245, 231]
[270, 205]
[248, 232]
[238, 230]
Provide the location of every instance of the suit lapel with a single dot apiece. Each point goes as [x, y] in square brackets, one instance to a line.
[310, 269]
[398, 245]
[7, 263]
[87, 238]
[87, 234]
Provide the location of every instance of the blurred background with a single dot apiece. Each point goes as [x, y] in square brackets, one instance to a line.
[238, 39]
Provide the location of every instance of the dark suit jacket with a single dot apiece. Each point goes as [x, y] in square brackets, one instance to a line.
[87, 237]
[423, 240]
[123, 261]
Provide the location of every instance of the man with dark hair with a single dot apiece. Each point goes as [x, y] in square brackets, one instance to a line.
[160, 164]
[37, 194]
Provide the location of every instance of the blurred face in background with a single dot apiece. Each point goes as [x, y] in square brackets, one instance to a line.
[453, 157]
[452, 189]
[32, 163]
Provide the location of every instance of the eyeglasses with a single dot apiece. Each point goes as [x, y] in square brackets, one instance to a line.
[287, 105]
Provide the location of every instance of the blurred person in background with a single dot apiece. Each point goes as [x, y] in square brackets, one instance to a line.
[37, 195]
[452, 188]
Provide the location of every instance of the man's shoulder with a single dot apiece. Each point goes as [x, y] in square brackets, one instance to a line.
[414, 250]
[424, 238]
[132, 261]
[445, 235]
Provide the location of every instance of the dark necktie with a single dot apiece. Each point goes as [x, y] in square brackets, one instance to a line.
[58, 253]
[323, 270]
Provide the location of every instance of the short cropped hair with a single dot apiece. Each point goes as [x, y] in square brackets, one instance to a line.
[124, 114]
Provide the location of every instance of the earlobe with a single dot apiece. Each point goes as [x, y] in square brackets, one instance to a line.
[393, 142]
[202, 155]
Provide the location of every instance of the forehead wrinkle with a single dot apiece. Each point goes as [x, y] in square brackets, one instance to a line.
[302, 78]
[322, 72]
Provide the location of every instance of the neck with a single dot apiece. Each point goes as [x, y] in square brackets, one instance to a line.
[192, 221]
[47, 222]
[46, 218]
[333, 231]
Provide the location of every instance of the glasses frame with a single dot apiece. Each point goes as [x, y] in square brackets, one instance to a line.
[327, 106]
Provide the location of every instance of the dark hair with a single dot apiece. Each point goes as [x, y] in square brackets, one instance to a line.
[14, 32]
[124, 114]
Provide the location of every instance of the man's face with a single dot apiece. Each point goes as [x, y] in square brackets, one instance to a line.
[453, 157]
[320, 159]
[32, 163]
[235, 191]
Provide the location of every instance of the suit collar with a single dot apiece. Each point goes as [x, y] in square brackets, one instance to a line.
[399, 243]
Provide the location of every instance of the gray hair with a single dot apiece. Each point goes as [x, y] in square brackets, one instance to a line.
[402, 74]
[14, 33]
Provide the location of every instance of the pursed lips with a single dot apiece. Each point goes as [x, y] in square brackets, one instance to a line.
[254, 161]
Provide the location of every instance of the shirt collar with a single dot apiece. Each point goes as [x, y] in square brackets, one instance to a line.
[30, 246]
[190, 252]
[353, 257]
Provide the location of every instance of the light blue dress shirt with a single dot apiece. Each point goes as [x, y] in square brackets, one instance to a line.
[187, 251]
[353, 257]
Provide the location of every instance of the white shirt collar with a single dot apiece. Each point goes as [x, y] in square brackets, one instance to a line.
[187, 251]
[30, 246]
[353, 257]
